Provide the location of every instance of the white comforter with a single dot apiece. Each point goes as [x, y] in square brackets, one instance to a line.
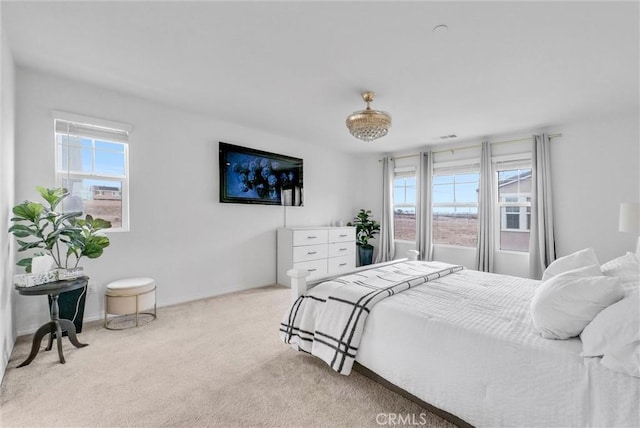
[329, 320]
[465, 343]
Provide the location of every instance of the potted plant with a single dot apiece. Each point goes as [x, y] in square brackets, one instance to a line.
[66, 237]
[366, 227]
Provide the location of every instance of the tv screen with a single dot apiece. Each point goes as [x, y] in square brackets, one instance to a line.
[250, 176]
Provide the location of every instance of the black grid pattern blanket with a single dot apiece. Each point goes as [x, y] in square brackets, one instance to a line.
[329, 320]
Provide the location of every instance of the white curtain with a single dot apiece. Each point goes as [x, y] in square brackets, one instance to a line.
[424, 203]
[484, 256]
[542, 246]
[386, 249]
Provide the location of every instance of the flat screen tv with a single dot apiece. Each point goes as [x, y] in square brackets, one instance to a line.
[250, 176]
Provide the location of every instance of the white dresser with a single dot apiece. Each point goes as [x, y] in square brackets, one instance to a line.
[319, 250]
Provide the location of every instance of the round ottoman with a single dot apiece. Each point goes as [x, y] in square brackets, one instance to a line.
[127, 297]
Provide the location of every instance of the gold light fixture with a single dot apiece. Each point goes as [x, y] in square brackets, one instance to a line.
[368, 124]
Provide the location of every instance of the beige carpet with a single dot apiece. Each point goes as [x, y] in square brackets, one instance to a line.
[213, 362]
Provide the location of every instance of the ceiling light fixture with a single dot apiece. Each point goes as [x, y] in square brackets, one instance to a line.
[368, 124]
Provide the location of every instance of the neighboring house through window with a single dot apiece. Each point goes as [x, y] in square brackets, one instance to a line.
[92, 163]
[514, 205]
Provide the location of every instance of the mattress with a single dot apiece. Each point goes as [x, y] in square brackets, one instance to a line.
[466, 344]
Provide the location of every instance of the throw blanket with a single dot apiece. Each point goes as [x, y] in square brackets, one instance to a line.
[329, 320]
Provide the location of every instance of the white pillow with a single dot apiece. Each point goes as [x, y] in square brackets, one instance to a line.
[630, 287]
[613, 328]
[624, 360]
[563, 306]
[582, 258]
[626, 268]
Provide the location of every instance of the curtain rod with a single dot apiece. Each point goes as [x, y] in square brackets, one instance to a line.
[475, 146]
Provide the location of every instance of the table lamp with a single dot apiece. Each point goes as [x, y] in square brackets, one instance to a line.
[630, 221]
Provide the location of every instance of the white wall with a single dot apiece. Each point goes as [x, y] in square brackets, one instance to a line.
[595, 167]
[180, 234]
[7, 143]
[368, 189]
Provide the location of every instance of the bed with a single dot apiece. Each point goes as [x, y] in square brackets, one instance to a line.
[464, 343]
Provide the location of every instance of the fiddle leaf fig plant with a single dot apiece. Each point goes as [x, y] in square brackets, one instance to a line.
[366, 227]
[89, 243]
[66, 237]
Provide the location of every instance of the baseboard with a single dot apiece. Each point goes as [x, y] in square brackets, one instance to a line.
[162, 304]
[5, 359]
[3, 366]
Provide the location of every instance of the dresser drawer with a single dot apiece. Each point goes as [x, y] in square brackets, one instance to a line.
[309, 252]
[342, 235]
[310, 237]
[338, 249]
[344, 263]
[315, 268]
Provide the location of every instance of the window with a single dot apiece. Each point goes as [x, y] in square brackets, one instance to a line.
[404, 205]
[92, 163]
[514, 205]
[455, 209]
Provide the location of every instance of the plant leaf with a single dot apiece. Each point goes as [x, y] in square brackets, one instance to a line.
[54, 195]
[92, 250]
[22, 231]
[99, 224]
[28, 211]
[27, 245]
[66, 217]
[25, 263]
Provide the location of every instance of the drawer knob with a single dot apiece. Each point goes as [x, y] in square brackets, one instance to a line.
[343, 249]
[311, 252]
[311, 270]
[343, 264]
[343, 236]
[311, 237]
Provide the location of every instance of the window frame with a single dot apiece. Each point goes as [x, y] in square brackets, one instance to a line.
[106, 127]
[470, 166]
[404, 172]
[508, 163]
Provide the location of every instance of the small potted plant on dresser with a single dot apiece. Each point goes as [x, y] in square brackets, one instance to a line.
[65, 237]
[366, 227]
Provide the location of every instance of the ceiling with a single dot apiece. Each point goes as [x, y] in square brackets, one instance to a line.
[297, 68]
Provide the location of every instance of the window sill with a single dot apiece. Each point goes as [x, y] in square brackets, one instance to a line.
[454, 246]
[513, 252]
[115, 230]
